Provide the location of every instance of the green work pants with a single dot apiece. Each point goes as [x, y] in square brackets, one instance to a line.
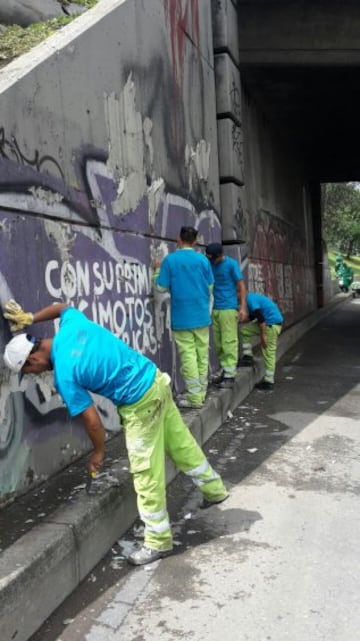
[154, 427]
[226, 339]
[248, 331]
[193, 348]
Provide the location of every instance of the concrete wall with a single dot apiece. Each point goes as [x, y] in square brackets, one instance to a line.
[109, 144]
[279, 218]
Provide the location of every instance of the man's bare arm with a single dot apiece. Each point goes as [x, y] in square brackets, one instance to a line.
[241, 293]
[96, 433]
[49, 313]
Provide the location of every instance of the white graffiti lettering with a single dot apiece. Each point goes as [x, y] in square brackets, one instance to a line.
[131, 317]
[71, 281]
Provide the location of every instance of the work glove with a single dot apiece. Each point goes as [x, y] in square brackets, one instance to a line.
[15, 314]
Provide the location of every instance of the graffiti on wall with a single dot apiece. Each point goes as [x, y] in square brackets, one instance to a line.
[110, 281]
[184, 22]
[92, 244]
[277, 268]
[11, 150]
[235, 99]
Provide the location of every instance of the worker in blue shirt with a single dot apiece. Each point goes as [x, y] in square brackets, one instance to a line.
[88, 358]
[264, 319]
[229, 307]
[187, 275]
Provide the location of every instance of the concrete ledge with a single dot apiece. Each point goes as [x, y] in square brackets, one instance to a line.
[45, 565]
[37, 573]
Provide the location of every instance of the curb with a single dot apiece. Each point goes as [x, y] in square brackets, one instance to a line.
[47, 563]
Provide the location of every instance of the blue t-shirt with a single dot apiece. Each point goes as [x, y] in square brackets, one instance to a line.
[269, 309]
[227, 273]
[188, 276]
[88, 358]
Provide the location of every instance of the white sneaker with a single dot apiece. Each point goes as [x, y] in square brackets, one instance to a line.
[145, 555]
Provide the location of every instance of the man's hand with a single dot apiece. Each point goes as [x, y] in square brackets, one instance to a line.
[95, 462]
[15, 314]
[243, 315]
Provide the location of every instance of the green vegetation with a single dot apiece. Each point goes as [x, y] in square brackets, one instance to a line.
[16, 40]
[86, 3]
[341, 217]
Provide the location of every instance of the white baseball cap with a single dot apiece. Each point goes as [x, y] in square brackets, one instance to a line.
[17, 350]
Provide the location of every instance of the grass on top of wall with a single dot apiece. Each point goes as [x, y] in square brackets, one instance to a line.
[16, 40]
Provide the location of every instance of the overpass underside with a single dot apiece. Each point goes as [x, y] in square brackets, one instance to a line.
[300, 60]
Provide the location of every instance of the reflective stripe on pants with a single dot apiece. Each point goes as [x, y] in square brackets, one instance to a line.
[248, 331]
[152, 427]
[193, 348]
[226, 339]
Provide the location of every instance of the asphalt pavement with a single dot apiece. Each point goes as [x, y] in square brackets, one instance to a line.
[278, 560]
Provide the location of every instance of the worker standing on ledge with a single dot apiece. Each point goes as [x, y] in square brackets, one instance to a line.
[229, 308]
[187, 275]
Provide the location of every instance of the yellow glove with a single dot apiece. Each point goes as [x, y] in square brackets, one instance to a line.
[15, 314]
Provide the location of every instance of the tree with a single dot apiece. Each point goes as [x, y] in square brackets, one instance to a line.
[341, 216]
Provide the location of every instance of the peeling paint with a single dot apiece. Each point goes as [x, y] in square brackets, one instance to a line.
[46, 194]
[197, 162]
[126, 146]
[155, 194]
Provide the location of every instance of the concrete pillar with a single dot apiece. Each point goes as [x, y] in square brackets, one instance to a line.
[229, 123]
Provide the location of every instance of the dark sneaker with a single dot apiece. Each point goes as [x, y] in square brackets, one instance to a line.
[245, 361]
[227, 383]
[145, 555]
[265, 386]
[217, 378]
[207, 503]
[185, 403]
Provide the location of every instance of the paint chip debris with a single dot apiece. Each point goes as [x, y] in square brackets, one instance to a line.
[127, 547]
[252, 450]
[230, 414]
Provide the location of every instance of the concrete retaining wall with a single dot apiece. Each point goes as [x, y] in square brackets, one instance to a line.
[105, 152]
[114, 133]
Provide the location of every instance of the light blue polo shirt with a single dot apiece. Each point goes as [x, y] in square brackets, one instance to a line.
[188, 276]
[88, 358]
[269, 309]
[227, 273]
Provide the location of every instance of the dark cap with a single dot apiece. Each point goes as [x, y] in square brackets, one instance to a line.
[214, 250]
